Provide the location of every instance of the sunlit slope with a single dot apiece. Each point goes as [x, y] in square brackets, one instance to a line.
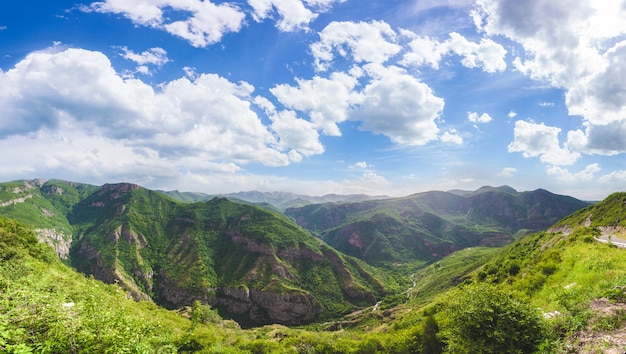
[254, 265]
[431, 225]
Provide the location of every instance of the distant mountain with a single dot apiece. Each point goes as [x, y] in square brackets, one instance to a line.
[430, 225]
[280, 200]
[252, 264]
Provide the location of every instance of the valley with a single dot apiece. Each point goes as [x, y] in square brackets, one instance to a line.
[341, 274]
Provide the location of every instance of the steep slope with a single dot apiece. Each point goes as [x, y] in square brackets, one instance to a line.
[254, 265]
[430, 225]
[43, 205]
[577, 281]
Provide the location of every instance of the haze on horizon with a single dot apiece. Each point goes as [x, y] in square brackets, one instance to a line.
[316, 96]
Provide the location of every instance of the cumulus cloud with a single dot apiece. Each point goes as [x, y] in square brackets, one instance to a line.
[452, 136]
[75, 95]
[582, 176]
[326, 100]
[153, 56]
[363, 42]
[613, 177]
[203, 23]
[579, 47]
[293, 13]
[475, 118]
[398, 105]
[512, 114]
[296, 134]
[485, 54]
[532, 140]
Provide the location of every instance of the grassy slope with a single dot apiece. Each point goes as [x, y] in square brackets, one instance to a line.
[138, 232]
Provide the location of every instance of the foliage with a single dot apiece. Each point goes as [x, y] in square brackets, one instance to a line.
[428, 226]
[483, 318]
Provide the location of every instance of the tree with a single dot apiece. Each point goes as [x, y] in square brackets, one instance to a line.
[484, 318]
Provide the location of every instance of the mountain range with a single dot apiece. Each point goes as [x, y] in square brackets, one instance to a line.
[259, 266]
[428, 226]
[559, 289]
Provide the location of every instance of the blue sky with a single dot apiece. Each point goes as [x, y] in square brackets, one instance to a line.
[316, 96]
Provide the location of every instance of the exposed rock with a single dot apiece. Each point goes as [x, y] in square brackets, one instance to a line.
[16, 200]
[59, 241]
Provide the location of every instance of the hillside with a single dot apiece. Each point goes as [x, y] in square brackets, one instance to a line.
[578, 282]
[554, 291]
[252, 264]
[430, 225]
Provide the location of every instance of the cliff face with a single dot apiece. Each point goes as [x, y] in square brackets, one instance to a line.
[248, 262]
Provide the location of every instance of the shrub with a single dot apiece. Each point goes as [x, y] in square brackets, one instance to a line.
[483, 318]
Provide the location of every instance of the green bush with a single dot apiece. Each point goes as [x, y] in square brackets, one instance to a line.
[483, 318]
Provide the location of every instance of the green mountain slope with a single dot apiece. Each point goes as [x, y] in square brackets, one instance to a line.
[577, 281]
[428, 226]
[252, 264]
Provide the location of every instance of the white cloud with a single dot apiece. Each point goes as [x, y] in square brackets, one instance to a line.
[607, 139]
[452, 136]
[296, 133]
[578, 47]
[582, 176]
[203, 23]
[293, 13]
[326, 101]
[486, 54]
[423, 51]
[399, 106]
[475, 118]
[534, 140]
[360, 164]
[512, 114]
[613, 177]
[363, 42]
[76, 96]
[154, 56]
[546, 104]
[507, 172]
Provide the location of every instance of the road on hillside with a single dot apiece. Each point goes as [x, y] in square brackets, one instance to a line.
[612, 239]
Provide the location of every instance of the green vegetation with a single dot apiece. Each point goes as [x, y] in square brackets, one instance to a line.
[550, 292]
[483, 318]
[428, 226]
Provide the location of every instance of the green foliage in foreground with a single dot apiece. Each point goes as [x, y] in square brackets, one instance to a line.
[482, 318]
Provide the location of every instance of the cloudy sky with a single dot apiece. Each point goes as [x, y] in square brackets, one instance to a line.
[316, 96]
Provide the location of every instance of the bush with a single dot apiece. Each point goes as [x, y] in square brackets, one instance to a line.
[484, 318]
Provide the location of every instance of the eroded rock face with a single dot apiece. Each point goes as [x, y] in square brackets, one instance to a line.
[256, 306]
[58, 241]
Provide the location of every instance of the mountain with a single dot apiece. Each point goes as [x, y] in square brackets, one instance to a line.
[430, 225]
[575, 273]
[558, 290]
[252, 264]
[279, 200]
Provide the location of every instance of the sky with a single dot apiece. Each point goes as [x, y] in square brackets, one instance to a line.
[381, 97]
